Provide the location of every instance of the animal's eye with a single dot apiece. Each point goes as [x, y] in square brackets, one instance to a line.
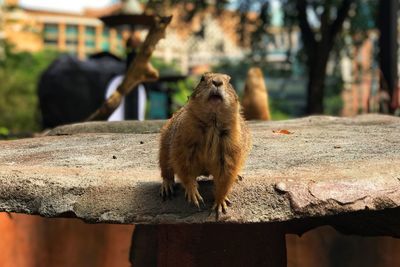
[202, 79]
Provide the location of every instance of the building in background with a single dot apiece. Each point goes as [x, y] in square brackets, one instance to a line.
[212, 37]
[75, 33]
[192, 46]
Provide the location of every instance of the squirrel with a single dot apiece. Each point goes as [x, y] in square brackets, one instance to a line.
[207, 136]
[255, 98]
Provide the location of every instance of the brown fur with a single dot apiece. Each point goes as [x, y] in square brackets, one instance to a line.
[255, 98]
[207, 136]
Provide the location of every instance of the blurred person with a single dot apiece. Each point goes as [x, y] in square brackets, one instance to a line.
[133, 106]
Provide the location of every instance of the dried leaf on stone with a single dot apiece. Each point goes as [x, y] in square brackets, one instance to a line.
[282, 131]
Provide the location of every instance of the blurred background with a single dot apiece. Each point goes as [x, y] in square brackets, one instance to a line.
[59, 60]
[318, 57]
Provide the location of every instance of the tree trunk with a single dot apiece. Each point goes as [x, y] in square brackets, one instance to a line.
[316, 82]
[315, 94]
[388, 50]
[318, 50]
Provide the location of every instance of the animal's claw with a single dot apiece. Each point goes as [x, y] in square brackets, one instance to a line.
[221, 207]
[193, 196]
[167, 189]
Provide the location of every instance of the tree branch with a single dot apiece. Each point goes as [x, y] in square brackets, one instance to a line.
[140, 70]
[341, 17]
[325, 18]
[306, 31]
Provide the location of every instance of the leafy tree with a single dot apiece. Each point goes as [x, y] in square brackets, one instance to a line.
[320, 22]
[19, 74]
[318, 41]
[323, 34]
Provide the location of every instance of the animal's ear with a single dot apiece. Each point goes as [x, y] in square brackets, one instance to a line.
[227, 77]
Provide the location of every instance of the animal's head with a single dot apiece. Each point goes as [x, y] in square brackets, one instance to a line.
[214, 98]
[214, 92]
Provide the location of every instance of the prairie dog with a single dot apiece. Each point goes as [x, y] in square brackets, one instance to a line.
[255, 98]
[208, 136]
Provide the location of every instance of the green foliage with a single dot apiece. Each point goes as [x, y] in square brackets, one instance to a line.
[333, 102]
[19, 75]
[333, 105]
[165, 68]
[4, 131]
[183, 89]
[279, 109]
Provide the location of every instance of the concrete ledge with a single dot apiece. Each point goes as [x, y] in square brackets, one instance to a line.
[326, 166]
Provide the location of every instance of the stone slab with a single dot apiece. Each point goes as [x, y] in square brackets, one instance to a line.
[325, 166]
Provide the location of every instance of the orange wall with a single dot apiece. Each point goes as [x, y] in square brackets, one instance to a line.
[325, 247]
[27, 241]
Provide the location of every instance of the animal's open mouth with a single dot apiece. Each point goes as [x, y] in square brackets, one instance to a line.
[215, 97]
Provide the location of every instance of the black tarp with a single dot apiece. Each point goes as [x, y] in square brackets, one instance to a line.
[71, 89]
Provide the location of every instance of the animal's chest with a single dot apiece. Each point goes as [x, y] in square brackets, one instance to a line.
[211, 147]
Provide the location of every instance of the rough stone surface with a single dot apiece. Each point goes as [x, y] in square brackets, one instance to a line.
[326, 166]
[153, 126]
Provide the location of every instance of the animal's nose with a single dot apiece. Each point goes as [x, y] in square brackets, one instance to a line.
[217, 82]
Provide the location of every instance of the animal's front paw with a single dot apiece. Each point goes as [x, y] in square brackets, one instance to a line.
[221, 206]
[167, 189]
[193, 196]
